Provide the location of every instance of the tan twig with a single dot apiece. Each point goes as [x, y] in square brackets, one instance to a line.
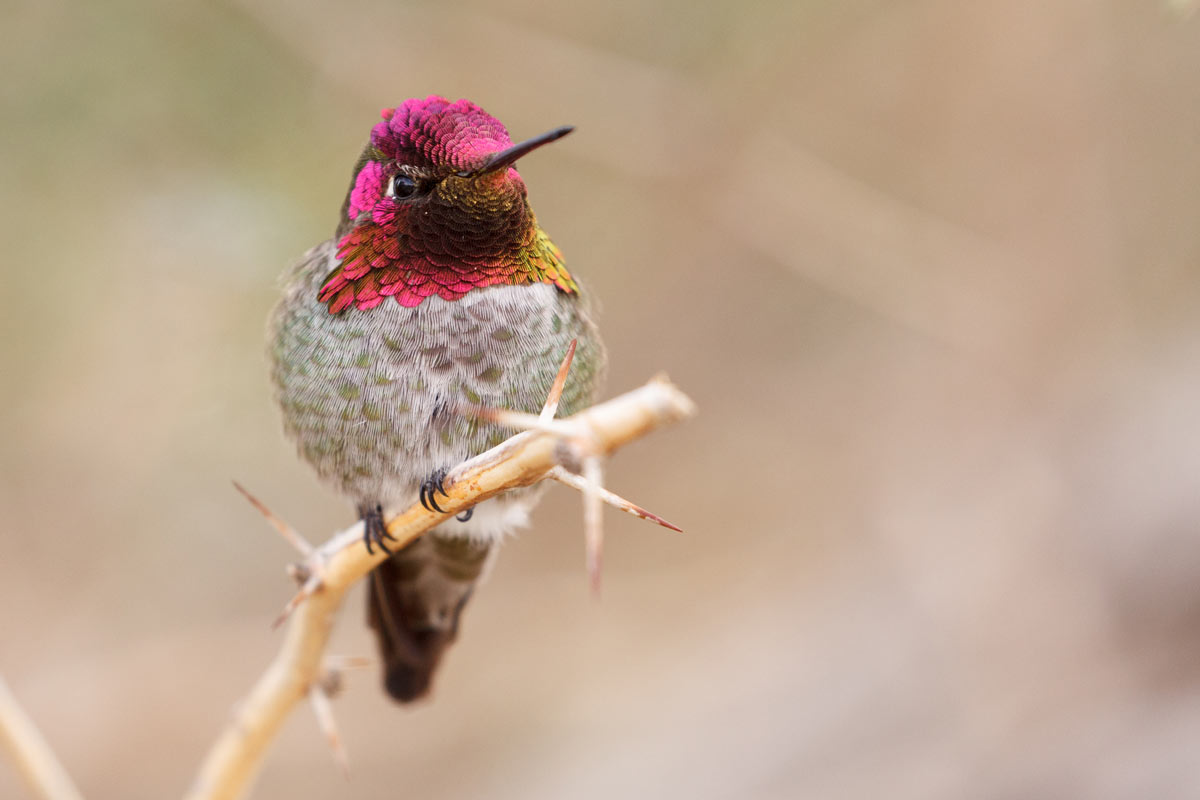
[33, 757]
[522, 460]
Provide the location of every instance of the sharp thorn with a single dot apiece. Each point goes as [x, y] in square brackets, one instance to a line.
[297, 598]
[348, 662]
[307, 590]
[615, 500]
[286, 531]
[323, 709]
[518, 420]
[593, 532]
[650, 516]
[560, 381]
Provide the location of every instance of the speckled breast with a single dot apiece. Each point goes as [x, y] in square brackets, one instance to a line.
[369, 396]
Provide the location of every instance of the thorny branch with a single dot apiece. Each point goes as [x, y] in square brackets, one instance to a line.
[568, 450]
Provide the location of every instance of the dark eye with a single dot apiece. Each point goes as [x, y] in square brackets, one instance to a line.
[402, 186]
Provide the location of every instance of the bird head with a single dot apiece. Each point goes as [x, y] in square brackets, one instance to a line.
[437, 208]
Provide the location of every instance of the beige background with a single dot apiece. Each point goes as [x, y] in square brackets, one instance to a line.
[931, 270]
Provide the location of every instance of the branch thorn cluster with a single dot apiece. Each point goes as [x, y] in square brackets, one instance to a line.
[580, 465]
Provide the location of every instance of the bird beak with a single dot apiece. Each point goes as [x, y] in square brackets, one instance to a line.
[508, 156]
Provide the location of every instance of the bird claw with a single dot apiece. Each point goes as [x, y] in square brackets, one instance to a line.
[430, 487]
[374, 529]
[466, 515]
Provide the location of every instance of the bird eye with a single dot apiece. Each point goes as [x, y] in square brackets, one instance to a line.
[401, 186]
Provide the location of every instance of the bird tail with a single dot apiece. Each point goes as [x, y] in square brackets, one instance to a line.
[414, 602]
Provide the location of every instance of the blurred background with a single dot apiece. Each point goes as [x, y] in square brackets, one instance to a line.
[930, 269]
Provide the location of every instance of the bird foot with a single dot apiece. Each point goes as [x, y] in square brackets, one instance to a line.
[430, 487]
[374, 529]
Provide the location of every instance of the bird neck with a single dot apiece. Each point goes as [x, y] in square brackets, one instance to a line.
[373, 265]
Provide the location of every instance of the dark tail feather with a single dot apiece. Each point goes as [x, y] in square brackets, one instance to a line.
[408, 669]
[414, 602]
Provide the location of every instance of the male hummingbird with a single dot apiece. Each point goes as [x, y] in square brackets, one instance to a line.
[437, 289]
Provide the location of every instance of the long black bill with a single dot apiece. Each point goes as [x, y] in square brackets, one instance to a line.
[505, 157]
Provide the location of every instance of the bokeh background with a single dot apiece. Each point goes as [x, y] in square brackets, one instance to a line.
[930, 269]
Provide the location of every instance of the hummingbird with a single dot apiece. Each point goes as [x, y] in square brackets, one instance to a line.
[438, 289]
